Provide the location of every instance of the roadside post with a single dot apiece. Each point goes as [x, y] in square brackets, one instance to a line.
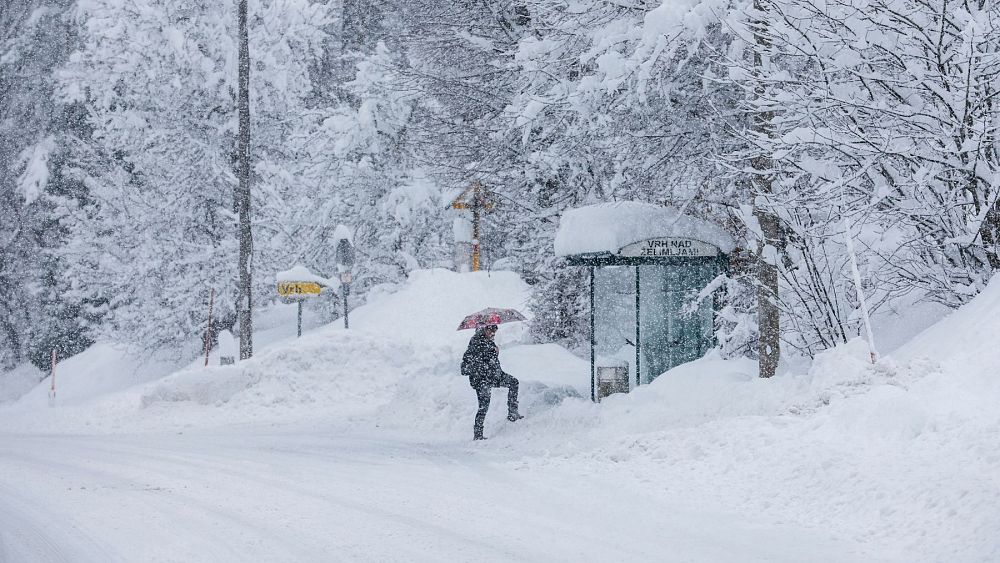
[208, 327]
[299, 284]
[52, 390]
[344, 257]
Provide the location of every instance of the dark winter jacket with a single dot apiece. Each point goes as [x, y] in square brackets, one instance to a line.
[481, 362]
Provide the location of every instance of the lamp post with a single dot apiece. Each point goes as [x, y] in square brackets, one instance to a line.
[344, 257]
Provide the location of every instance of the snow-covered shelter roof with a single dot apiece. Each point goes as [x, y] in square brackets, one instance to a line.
[608, 227]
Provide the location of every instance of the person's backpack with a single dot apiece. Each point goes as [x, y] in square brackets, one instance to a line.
[472, 360]
[467, 360]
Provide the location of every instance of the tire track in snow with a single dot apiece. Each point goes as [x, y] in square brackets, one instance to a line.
[123, 462]
[29, 533]
[373, 498]
[351, 510]
[160, 510]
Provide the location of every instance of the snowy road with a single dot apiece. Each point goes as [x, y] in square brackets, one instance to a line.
[247, 495]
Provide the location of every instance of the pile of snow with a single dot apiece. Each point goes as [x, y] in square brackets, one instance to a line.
[97, 371]
[883, 454]
[901, 456]
[966, 340]
[608, 227]
[397, 365]
[18, 381]
[432, 303]
[105, 382]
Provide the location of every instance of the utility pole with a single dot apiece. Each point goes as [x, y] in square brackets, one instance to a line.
[762, 187]
[244, 305]
[480, 203]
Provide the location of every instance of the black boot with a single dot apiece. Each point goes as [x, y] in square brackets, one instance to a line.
[514, 416]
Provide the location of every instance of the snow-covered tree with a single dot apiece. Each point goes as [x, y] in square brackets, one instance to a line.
[36, 183]
[159, 82]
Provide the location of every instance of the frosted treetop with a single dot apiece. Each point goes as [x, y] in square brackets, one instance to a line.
[608, 227]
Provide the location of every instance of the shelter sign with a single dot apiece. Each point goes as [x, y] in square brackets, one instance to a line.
[299, 289]
[668, 248]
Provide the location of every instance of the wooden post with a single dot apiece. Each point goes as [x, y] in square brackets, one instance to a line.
[477, 196]
[208, 328]
[299, 332]
[52, 372]
[478, 205]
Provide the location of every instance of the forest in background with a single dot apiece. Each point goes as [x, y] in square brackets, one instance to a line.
[787, 121]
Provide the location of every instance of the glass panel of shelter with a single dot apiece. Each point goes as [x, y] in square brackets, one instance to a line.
[669, 333]
[614, 317]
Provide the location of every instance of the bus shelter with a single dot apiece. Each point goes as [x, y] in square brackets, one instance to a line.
[648, 267]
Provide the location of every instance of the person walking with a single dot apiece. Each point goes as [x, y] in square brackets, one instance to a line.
[481, 363]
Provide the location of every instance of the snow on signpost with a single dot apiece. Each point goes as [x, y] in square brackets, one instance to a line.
[299, 284]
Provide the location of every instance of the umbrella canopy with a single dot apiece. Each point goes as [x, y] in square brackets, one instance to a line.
[491, 316]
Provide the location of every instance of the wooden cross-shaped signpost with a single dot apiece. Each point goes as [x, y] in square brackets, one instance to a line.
[480, 203]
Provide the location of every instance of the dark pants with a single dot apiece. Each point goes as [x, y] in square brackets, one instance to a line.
[483, 390]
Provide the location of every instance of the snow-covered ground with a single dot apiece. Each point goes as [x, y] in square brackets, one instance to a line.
[355, 446]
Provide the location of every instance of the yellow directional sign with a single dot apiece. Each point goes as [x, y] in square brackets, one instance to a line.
[299, 289]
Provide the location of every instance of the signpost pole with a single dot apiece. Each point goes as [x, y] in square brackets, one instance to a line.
[480, 204]
[346, 291]
[476, 203]
[299, 291]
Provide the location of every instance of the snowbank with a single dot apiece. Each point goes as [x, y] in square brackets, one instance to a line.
[966, 339]
[397, 366]
[900, 456]
[18, 381]
[432, 303]
[398, 362]
[608, 227]
[887, 454]
[97, 371]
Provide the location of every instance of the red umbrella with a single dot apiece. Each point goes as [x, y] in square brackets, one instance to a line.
[491, 316]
